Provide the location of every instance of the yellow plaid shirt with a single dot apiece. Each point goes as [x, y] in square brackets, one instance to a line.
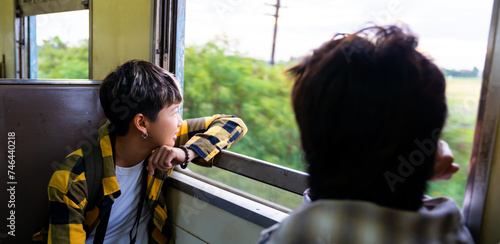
[69, 223]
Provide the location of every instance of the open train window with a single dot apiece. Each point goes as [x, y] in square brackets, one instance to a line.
[62, 41]
[234, 64]
[52, 39]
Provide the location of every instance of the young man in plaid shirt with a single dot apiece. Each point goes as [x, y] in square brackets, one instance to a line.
[142, 142]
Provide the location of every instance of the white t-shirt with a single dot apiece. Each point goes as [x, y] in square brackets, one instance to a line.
[124, 210]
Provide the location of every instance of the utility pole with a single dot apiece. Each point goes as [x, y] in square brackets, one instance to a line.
[275, 28]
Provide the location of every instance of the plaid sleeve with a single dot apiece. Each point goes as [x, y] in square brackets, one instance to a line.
[66, 202]
[208, 135]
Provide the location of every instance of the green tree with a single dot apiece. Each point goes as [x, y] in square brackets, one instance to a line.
[58, 60]
[474, 73]
[218, 81]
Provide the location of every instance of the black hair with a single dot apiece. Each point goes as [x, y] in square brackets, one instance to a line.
[136, 87]
[370, 109]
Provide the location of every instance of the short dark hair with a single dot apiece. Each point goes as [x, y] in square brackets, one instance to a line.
[136, 87]
[370, 109]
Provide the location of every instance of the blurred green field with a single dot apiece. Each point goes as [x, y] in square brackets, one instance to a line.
[463, 99]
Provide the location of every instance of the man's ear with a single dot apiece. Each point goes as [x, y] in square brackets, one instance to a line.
[139, 122]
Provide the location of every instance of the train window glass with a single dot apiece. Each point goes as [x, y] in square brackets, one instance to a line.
[230, 46]
[256, 188]
[62, 46]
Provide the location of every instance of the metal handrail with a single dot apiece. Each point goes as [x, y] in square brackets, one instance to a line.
[272, 174]
[268, 173]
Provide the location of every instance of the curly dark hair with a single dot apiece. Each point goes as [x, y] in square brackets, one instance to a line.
[370, 109]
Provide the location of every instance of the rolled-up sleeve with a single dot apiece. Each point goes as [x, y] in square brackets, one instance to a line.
[207, 136]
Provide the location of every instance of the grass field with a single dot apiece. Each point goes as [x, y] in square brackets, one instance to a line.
[463, 97]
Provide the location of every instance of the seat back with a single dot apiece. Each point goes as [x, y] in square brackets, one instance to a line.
[42, 123]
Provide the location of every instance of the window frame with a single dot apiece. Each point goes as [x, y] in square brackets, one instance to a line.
[26, 11]
[484, 144]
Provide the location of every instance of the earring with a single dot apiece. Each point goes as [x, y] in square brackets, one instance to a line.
[144, 136]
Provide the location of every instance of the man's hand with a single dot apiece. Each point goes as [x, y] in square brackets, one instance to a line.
[444, 167]
[165, 158]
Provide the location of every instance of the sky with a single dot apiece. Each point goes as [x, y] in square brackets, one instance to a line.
[71, 27]
[453, 33]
